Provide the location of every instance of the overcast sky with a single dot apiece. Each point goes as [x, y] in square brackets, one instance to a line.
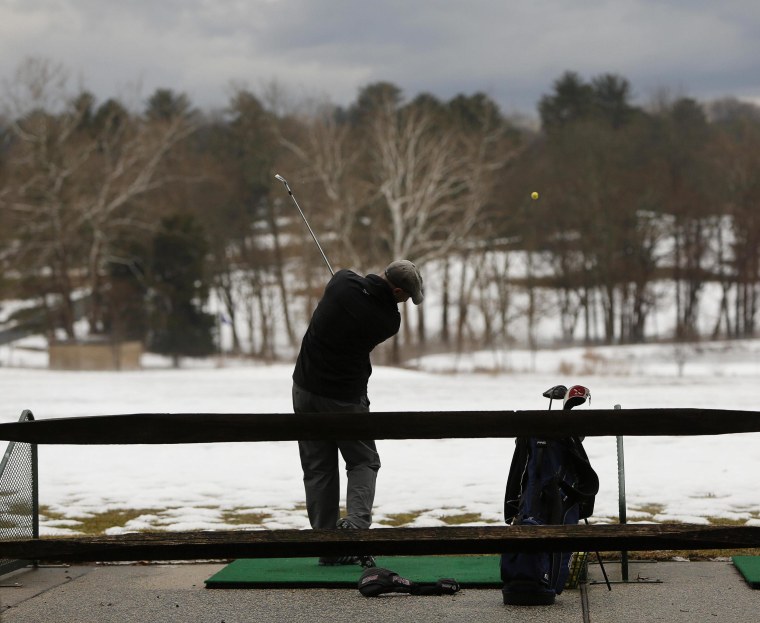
[511, 50]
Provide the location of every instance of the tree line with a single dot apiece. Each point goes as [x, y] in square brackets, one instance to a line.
[129, 216]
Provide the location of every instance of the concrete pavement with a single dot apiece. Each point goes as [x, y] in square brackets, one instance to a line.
[691, 592]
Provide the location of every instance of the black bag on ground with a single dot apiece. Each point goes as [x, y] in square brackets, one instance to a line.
[550, 482]
[375, 581]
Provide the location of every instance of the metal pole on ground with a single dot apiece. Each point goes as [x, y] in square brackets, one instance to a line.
[621, 500]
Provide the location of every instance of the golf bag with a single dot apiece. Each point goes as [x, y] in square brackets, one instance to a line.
[550, 482]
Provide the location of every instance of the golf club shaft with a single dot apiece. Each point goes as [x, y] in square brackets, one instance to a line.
[303, 216]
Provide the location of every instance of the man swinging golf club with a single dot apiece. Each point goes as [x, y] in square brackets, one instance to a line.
[331, 374]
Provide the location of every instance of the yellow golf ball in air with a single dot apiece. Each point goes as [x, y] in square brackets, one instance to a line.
[534, 195]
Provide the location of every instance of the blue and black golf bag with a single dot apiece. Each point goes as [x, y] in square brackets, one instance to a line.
[550, 482]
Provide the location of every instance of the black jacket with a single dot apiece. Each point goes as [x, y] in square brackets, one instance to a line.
[355, 315]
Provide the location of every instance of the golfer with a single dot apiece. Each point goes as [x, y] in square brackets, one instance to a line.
[333, 367]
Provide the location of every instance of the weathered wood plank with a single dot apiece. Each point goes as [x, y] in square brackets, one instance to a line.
[408, 541]
[176, 428]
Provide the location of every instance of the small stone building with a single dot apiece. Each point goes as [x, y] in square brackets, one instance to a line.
[102, 354]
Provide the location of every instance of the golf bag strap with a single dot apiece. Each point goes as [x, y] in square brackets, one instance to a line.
[540, 446]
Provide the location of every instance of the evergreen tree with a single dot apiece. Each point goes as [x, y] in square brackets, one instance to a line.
[180, 326]
[125, 310]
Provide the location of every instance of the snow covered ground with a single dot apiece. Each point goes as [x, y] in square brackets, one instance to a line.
[215, 486]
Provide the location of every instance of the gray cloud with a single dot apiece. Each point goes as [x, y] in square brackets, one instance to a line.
[513, 51]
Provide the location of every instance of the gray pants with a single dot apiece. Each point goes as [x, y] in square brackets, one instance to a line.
[319, 460]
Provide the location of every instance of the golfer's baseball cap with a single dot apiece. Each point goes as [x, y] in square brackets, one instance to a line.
[403, 274]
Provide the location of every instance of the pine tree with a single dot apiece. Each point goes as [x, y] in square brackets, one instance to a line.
[180, 326]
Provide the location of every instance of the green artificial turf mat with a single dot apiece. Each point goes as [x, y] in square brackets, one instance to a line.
[749, 567]
[472, 571]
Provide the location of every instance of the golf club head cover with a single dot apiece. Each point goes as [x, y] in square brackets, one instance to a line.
[575, 396]
[555, 393]
[376, 581]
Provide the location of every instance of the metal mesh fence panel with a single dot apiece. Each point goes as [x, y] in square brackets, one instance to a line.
[19, 516]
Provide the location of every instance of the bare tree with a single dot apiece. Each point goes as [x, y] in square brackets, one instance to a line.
[735, 156]
[326, 154]
[130, 165]
[418, 172]
[80, 178]
[44, 153]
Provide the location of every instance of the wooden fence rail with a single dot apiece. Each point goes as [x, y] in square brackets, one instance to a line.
[174, 428]
[381, 541]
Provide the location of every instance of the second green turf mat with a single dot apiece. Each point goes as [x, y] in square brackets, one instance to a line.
[470, 571]
[749, 567]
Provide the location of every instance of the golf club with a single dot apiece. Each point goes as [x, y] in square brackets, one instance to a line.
[303, 216]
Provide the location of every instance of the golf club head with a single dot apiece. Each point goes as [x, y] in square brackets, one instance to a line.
[555, 393]
[279, 177]
[575, 396]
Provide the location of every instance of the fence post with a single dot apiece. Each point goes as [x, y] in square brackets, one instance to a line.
[621, 500]
[35, 486]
